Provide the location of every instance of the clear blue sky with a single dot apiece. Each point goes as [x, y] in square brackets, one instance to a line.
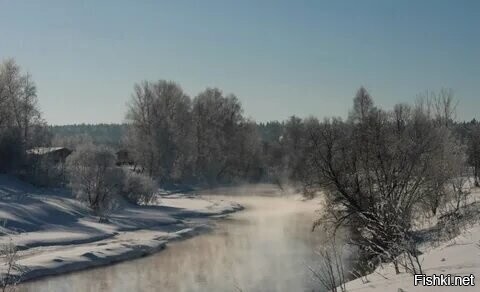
[279, 57]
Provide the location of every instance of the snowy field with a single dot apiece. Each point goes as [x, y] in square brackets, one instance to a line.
[55, 233]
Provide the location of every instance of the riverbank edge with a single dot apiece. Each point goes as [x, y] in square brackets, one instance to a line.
[454, 256]
[135, 251]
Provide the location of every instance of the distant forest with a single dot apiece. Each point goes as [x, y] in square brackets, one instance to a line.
[101, 134]
[111, 134]
[207, 139]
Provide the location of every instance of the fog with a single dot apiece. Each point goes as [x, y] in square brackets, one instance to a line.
[266, 247]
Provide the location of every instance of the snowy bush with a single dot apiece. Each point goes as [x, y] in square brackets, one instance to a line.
[93, 176]
[137, 188]
[330, 271]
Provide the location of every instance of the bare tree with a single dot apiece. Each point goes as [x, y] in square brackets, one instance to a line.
[160, 120]
[376, 172]
[94, 178]
[362, 105]
[440, 106]
[293, 143]
[330, 271]
[401, 115]
[218, 120]
[20, 119]
[11, 273]
[445, 107]
[20, 93]
[473, 151]
[447, 159]
[245, 154]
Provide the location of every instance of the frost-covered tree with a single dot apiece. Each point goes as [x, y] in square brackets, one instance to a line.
[94, 177]
[217, 122]
[473, 150]
[159, 134]
[177, 141]
[377, 169]
[246, 155]
[20, 120]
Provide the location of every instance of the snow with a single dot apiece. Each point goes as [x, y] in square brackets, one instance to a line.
[43, 150]
[55, 233]
[458, 256]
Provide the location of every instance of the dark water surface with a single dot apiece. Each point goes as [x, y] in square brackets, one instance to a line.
[266, 247]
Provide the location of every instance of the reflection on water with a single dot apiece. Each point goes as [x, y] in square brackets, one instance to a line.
[264, 248]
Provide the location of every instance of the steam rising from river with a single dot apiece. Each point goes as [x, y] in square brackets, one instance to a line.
[266, 247]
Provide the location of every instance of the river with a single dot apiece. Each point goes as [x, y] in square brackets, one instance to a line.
[266, 247]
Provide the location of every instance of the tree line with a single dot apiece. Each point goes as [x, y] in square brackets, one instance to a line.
[207, 140]
[177, 139]
[100, 134]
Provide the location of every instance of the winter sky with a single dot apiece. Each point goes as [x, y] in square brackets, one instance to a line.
[279, 57]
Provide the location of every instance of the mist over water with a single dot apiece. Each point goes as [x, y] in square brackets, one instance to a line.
[266, 247]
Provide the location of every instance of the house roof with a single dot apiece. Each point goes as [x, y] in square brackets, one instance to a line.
[45, 150]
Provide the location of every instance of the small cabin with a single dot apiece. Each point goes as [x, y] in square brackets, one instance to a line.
[54, 154]
[123, 157]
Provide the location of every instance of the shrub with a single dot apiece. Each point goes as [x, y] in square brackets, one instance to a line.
[93, 176]
[137, 188]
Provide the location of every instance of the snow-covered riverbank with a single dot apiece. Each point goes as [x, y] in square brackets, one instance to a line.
[266, 247]
[459, 256]
[55, 234]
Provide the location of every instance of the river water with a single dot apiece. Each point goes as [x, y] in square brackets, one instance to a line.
[266, 247]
